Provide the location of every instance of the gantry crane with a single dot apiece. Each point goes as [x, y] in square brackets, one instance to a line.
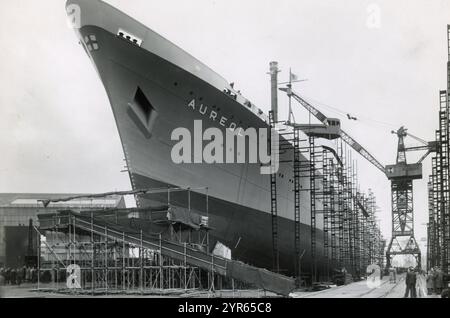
[401, 174]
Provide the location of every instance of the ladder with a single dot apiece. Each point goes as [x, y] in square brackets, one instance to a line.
[312, 189]
[273, 202]
[297, 167]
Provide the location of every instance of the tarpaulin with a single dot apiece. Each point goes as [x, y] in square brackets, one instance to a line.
[261, 278]
[186, 217]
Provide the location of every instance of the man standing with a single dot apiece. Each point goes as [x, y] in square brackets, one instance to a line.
[439, 280]
[2, 282]
[392, 279]
[421, 284]
[410, 283]
[430, 281]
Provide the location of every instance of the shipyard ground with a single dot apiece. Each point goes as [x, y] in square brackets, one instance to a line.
[353, 290]
[361, 290]
[45, 291]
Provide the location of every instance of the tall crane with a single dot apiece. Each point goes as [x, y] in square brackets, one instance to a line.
[401, 174]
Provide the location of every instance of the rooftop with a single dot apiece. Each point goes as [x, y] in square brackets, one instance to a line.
[31, 200]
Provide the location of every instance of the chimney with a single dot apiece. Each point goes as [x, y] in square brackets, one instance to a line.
[274, 89]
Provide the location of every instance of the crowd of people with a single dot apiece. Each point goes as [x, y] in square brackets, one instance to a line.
[435, 281]
[420, 284]
[17, 276]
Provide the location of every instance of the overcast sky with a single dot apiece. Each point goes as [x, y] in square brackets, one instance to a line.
[57, 132]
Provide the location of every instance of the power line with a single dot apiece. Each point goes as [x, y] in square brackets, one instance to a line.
[344, 114]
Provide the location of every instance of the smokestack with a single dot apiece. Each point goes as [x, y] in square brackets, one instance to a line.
[274, 89]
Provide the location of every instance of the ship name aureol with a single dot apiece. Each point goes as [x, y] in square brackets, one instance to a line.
[213, 115]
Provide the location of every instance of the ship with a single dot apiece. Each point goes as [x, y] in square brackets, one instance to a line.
[151, 84]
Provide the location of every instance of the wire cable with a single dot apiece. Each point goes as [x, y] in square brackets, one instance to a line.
[344, 114]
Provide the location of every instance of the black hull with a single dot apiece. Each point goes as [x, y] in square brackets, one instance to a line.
[246, 231]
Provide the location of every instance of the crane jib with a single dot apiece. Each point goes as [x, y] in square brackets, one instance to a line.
[311, 109]
[363, 152]
[346, 138]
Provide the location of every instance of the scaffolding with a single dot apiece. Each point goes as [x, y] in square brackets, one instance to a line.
[322, 184]
[375, 244]
[165, 250]
[356, 220]
[344, 237]
[297, 170]
[313, 213]
[112, 257]
[103, 260]
[438, 229]
[431, 225]
[290, 144]
[334, 217]
[345, 224]
[327, 166]
[355, 236]
[365, 239]
[99, 258]
[351, 237]
[351, 212]
[439, 194]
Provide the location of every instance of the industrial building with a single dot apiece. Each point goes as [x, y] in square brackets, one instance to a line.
[16, 211]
